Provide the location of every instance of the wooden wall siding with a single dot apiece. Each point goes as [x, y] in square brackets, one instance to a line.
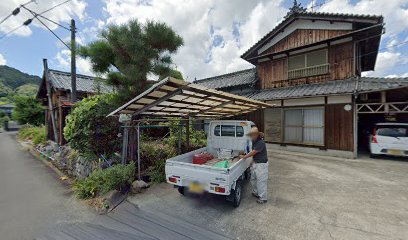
[341, 61]
[339, 128]
[302, 37]
[272, 71]
[273, 124]
[257, 117]
[274, 74]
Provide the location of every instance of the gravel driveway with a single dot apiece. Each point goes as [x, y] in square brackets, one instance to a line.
[310, 197]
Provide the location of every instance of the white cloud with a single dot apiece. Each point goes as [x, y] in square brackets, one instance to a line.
[61, 14]
[63, 59]
[2, 60]
[386, 61]
[194, 20]
[395, 12]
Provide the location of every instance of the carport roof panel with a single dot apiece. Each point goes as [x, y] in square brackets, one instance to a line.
[176, 98]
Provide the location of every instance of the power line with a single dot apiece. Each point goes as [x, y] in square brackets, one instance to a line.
[35, 16]
[15, 11]
[28, 21]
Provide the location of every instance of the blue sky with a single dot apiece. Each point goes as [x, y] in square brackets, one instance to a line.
[215, 32]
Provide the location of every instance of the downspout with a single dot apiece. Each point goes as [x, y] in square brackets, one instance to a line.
[50, 106]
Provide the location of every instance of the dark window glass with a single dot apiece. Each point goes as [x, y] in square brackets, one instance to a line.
[228, 130]
[217, 130]
[240, 131]
[392, 131]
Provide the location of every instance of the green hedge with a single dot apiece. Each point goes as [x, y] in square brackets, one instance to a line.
[102, 181]
[35, 134]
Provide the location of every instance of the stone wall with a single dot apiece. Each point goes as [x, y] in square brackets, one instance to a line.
[68, 160]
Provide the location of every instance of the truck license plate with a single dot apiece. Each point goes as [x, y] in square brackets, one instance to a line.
[395, 152]
[196, 188]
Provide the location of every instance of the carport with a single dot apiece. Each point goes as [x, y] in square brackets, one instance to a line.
[173, 99]
[380, 100]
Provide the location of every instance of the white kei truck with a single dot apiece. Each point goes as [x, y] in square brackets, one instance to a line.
[195, 178]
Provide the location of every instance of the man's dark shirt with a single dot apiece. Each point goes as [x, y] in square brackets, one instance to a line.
[260, 147]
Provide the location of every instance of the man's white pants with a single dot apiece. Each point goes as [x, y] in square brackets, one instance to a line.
[259, 180]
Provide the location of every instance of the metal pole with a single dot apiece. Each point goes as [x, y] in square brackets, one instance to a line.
[73, 62]
[188, 134]
[125, 145]
[138, 152]
[180, 137]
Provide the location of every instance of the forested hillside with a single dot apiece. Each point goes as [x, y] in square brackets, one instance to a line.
[14, 82]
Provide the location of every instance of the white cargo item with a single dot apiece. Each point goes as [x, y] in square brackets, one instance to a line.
[222, 136]
[389, 139]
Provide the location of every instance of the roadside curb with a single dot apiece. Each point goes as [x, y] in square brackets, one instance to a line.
[43, 158]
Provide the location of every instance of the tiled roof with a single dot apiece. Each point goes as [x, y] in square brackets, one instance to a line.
[290, 18]
[62, 80]
[239, 78]
[348, 86]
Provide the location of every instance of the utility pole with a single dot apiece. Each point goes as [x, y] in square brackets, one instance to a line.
[73, 62]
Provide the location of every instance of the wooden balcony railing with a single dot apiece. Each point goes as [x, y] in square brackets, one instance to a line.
[309, 71]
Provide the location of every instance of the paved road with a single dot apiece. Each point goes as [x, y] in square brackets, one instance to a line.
[32, 199]
[310, 197]
[34, 204]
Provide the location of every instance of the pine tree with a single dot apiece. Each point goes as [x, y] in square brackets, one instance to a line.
[130, 52]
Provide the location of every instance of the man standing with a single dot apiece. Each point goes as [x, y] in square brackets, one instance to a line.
[259, 166]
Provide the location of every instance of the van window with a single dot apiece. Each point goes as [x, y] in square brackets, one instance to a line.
[228, 131]
[392, 131]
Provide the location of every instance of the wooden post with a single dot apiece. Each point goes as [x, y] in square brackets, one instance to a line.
[355, 127]
[51, 108]
[73, 62]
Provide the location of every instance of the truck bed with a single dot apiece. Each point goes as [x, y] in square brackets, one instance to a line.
[182, 167]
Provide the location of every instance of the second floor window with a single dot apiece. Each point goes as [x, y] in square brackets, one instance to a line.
[308, 64]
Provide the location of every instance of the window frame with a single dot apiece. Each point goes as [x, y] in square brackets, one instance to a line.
[220, 125]
[303, 126]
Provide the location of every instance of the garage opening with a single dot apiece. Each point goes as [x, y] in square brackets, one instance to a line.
[379, 107]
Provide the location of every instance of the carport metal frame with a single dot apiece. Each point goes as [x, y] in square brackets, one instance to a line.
[173, 99]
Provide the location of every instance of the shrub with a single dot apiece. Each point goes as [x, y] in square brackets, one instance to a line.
[89, 131]
[153, 158]
[100, 181]
[35, 134]
[197, 137]
[28, 110]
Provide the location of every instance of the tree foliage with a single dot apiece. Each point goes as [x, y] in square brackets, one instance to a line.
[28, 110]
[89, 131]
[130, 52]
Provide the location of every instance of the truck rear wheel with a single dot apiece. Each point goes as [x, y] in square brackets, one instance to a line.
[236, 194]
[181, 190]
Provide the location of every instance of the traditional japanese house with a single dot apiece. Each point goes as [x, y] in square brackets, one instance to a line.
[54, 92]
[311, 67]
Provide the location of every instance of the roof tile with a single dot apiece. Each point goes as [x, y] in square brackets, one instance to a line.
[62, 80]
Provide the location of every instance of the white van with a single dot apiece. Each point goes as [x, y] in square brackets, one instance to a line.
[389, 139]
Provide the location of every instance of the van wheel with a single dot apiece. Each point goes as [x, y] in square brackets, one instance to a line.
[236, 194]
[181, 190]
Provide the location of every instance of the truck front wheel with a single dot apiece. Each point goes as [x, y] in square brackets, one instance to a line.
[181, 190]
[236, 194]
